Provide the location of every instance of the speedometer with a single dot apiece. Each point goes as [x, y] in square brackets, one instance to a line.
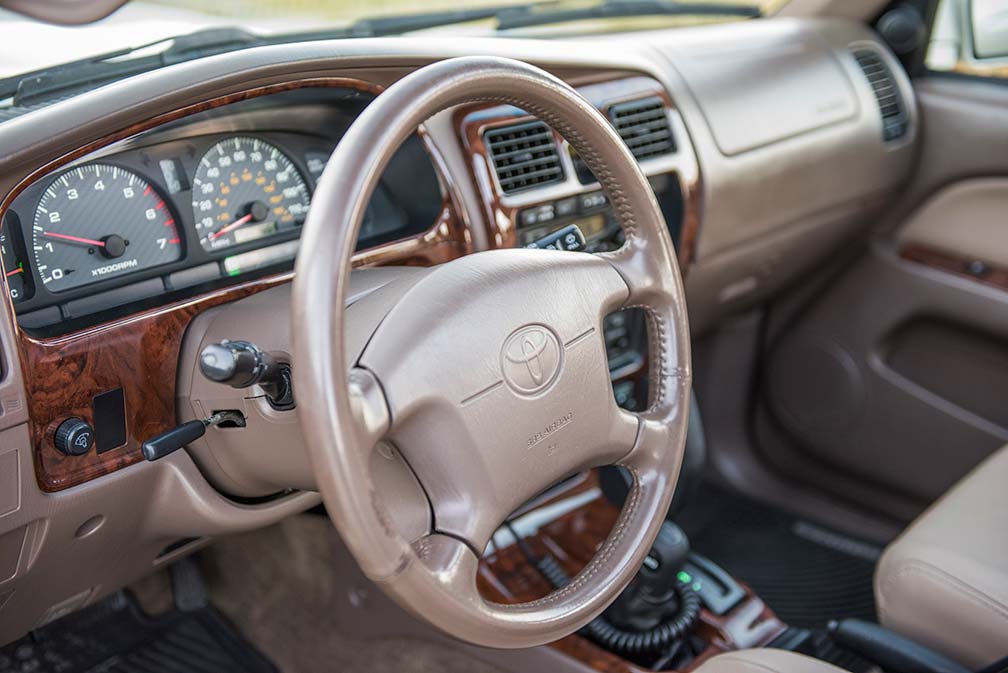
[100, 221]
[246, 189]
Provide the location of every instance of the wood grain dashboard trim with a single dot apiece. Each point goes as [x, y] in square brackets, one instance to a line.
[473, 120]
[978, 272]
[139, 353]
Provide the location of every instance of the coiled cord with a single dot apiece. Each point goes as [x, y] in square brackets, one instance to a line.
[633, 643]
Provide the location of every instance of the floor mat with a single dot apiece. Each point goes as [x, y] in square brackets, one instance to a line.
[807, 573]
[114, 636]
[280, 585]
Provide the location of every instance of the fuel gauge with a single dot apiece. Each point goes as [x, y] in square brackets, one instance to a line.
[18, 277]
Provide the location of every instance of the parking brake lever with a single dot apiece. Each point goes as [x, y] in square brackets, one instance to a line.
[889, 650]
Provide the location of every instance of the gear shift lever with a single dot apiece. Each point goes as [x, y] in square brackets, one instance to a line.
[657, 575]
[652, 596]
[654, 614]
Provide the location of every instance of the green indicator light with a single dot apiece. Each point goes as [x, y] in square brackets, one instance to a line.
[684, 577]
[234, 272]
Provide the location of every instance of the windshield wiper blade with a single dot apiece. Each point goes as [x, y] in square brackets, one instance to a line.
[408, 23]
[541, 14]
[113, 65]
[103, 68]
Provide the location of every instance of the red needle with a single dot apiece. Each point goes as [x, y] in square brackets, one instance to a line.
[75, 239]
[231, 227]
[17, 270]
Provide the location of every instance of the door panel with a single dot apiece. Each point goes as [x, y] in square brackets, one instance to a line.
[966, 220]
[892, 383]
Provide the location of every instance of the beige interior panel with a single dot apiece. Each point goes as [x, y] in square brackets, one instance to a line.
[966, 219]
[850, 9]
[811, 170]
[964, 139]
[11, 544]
[767, 211]
[720, 77]
[84, 542]
[10, 482]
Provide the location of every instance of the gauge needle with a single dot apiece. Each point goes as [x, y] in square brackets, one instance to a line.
[15, 271]
[75, 239]
[231, 227]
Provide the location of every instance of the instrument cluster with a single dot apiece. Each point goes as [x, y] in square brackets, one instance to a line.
[182, 214]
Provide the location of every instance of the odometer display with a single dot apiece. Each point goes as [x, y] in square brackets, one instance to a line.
[246, 189]
[100, 221]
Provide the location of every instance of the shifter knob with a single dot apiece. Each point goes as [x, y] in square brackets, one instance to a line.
[652, 595]
[666, 558]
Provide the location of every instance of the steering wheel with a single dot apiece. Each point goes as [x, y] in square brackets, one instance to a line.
[489, 373]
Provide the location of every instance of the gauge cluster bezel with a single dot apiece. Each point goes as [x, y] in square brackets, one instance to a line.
[145, 162]
[47, 312]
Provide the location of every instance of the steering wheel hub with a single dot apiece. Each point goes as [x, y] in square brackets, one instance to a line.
[531, 359]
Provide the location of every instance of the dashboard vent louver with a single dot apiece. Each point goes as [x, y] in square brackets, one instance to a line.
[644, 127]
[894, 118]
[524, 155]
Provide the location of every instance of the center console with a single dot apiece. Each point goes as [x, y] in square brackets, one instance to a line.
[568, 525]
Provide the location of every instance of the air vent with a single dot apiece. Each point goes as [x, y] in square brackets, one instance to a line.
[643, 125]
[524, 156]
[894, 118]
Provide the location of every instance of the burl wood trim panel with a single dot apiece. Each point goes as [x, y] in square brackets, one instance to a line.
[472, 121]
[139, 353]
[943, 261]
[505, 576]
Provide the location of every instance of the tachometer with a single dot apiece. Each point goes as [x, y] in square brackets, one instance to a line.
[246, 189]
[101, 221]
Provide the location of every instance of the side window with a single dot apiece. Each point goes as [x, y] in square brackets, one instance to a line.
[970, 37]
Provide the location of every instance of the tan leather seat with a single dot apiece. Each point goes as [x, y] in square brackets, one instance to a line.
[944, 581]
[765, 661]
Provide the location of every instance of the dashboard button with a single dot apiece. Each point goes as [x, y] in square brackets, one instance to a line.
[537, 215]
[592, 201]
[528, 217]
[565, 207]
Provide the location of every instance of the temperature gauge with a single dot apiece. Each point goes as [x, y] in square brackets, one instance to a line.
[19, 282]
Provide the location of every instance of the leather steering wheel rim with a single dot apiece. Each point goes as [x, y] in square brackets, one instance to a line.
[552, 308]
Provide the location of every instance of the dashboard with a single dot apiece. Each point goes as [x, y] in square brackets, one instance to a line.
[133, 212]
[192, 207]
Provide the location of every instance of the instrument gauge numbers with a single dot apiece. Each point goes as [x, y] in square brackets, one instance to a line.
[245, 189]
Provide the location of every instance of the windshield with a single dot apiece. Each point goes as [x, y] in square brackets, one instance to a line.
[146, 21]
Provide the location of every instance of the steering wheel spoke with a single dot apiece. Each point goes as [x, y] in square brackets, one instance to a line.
[369, 408]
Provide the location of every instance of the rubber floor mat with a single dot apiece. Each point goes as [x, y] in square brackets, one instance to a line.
[807, 573]
[114, 636]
